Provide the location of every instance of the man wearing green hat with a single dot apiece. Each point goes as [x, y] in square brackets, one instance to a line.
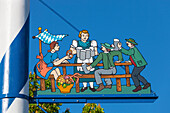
[109, 67]
[138, 61]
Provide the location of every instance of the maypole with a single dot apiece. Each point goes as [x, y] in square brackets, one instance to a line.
[14, 57]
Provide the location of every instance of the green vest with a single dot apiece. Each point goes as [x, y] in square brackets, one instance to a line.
[136, 56]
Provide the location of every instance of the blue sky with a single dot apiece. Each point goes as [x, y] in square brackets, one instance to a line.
[147, 21]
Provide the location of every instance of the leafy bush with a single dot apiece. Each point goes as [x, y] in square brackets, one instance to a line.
[92, 108]
[48, 107]
[54, 107]
[33, 84]
[33, 87]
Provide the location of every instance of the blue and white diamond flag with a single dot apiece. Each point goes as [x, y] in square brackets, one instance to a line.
[49, 38]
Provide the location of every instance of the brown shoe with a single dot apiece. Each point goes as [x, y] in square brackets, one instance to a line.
[101, 87]
[92, 89]
[83, 89]
[137, 89]
[146, 86]
[108, 86]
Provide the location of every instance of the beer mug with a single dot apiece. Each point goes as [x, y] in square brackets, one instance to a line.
[78, 51]
[92, 51]
[84, 66]
[88, 53]
[116, 41]
[82, 54]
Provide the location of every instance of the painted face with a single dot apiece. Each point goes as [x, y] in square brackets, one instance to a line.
[84, 37]
[129, 44]
[103, 48]
[57, 47]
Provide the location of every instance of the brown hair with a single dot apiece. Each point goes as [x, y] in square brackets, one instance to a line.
[83, 31]
[52, 45]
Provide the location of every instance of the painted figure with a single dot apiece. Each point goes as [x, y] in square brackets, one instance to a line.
[138, 61]
[109, 68]
[85, 51]
[43, 69]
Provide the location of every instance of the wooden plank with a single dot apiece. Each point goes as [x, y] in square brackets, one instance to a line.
[128, 82]
[51, 76]
[40, 44]
[40, 47]
[64, 70]
[99, 64]
[105, 76]
[127, 79]
[127, 69]
[102, 76]
[53, 85]
[77, 87]
[118, 85]
[42, 84]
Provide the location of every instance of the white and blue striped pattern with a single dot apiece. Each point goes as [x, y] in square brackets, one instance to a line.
[47, 38]
[14, 42]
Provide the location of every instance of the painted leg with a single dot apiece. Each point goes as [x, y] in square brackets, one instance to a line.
[92, 87]
[84, 87]
[135, 73]
[91, 84]
[98, 74]
[135, 77]
[56, 73]
[108, 80]
[84, 84]
[142, 79]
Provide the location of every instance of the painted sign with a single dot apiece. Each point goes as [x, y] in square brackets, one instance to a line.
[83, 74]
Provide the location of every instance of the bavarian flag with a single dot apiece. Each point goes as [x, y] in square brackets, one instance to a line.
[47, 38]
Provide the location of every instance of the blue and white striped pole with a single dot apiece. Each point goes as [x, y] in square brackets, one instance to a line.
[14, 43]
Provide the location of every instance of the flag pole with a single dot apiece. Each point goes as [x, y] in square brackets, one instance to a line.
[40, 43]
[14, 56]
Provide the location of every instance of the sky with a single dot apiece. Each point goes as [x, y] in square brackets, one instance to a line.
[146, 21]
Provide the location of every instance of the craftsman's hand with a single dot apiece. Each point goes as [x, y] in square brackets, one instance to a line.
[119, 45]
[89, 67]
[117, 61]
